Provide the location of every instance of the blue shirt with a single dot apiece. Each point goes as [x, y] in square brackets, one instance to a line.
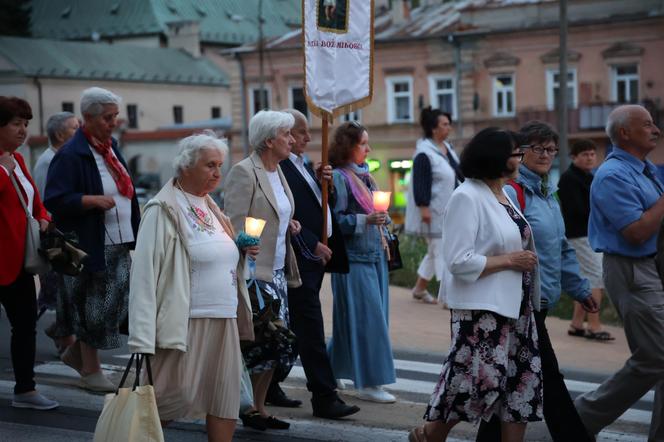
[558, 266]
[619, 195]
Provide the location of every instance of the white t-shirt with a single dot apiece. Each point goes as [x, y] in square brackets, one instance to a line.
[117, 220]
[25, 183]
[213, 258]
[284, 211]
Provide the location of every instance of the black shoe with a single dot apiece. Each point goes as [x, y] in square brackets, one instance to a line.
[334, 409]
[276, 424]
[254, 420]
[277, 397]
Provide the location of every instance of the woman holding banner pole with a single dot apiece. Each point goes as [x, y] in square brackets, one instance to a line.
[360, 347]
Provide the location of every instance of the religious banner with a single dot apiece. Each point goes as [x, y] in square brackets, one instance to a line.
[338, 55]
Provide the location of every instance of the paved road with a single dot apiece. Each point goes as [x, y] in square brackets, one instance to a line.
[75, 419]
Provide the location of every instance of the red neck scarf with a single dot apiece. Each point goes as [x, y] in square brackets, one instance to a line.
[115, 167]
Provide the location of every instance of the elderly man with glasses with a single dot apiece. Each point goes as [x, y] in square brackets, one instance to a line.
[559, 271]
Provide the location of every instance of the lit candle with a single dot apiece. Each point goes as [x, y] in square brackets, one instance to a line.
[381, 201]
[254, 226]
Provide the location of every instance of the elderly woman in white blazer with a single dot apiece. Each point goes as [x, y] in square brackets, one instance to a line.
[493, 366]
[256, 187]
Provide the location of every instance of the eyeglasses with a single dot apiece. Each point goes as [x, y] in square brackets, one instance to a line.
[539, 150]
[518, 155]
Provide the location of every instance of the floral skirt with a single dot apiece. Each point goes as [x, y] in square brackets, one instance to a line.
[280, 349]
[493, 367]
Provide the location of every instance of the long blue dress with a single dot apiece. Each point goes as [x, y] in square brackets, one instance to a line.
[360, 347]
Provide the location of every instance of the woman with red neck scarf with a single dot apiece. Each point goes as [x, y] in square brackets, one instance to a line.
[89, 192]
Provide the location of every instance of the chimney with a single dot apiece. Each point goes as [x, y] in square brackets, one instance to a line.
[184, 35]
[400, 12]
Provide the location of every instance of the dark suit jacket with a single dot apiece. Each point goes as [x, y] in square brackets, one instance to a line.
[308, 212]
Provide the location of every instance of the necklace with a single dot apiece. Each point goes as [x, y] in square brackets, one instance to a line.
[198, 213]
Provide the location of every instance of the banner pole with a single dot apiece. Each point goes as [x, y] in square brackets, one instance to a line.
[324, 183]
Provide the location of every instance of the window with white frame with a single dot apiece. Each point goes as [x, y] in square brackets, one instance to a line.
[352, 116]
[442, 93]
[297, 101]
[503, 95]
[400, 99]
[553, 88]
[259, 100]
[625, 83]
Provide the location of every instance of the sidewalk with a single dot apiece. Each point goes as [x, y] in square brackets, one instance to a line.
[425, 328]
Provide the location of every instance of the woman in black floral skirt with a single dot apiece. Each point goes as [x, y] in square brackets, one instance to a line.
[493, 367]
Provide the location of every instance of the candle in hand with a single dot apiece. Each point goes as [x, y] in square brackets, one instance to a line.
[381, 201]
[254, 226]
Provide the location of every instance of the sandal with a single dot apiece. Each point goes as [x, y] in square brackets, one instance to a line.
[599, 336]
[254, 420]
[417, 435]
[574, 331]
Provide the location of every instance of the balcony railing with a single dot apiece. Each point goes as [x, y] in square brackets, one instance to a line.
[587, 117]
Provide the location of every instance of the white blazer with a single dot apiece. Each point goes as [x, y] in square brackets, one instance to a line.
[475, 226]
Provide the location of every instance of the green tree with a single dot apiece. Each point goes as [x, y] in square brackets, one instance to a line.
[15, 17]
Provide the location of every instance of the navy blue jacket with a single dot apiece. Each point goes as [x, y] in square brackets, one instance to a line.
[72, 174]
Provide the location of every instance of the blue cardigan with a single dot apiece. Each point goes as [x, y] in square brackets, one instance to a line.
[72, 174]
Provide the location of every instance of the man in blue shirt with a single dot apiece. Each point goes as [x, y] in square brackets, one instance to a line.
[626, 210]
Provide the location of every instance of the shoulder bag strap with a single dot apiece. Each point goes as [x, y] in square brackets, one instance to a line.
[20, 195]
[520, 196]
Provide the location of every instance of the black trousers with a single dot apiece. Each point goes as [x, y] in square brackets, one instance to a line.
[307, 324]
[20, 303]
[560, 415]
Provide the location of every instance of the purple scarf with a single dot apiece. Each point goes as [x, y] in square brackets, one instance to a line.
[362, 191]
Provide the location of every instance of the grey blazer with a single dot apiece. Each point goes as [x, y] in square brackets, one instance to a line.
[249, 193]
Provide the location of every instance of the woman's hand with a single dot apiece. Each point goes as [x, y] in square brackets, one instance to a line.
[377, 218]
[7, 161]
[252, 251]
[324, 173]
[425, 214]
[103, 202]
[522, 261]
[294, 227]
[43, 225]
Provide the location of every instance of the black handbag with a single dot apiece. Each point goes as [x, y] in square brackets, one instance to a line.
[62, 251]
[395, 262]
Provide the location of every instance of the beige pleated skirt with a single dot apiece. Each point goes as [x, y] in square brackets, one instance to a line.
[205, 379]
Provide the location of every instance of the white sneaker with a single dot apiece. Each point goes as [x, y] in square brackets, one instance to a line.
[424, 297]
[341, 385]
[33, 400]
[376, 394]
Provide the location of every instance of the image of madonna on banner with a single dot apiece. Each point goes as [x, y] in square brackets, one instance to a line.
[333, 15]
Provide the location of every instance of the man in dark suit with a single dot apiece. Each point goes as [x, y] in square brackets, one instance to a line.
[313, 260]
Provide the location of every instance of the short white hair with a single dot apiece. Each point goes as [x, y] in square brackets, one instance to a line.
[189, 149]
[619, 119]
[265, 125]
[94, 99]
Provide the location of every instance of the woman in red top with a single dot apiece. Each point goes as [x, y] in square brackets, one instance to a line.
[17, 288]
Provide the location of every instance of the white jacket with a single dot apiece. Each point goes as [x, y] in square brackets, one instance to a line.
[443, 178]
[475, 226]
[159, 286]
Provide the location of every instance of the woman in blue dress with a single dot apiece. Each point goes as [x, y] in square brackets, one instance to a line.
[360, 347]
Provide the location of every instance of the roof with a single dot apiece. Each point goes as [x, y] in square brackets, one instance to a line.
[225, 22]
[467, 17]
[102, 61]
